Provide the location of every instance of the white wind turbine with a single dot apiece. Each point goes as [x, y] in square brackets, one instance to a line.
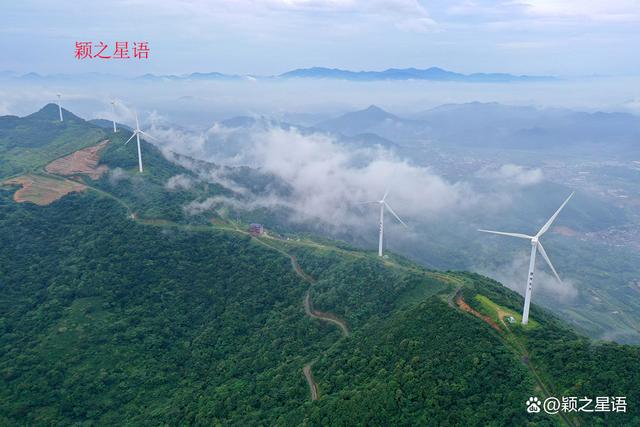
[137, 132]
[113, 110]
[59, 106]
[535, 246]
[383, 204]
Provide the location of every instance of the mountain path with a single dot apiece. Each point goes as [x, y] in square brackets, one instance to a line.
[327, 317]
[308, 306]
[522, 351]
[307, 303]
[514, 344]
[466, 307]
[313, 387]
[308, 309]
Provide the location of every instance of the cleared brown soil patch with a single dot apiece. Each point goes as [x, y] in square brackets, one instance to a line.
[466, 307]
[42, 190]
[83, 162]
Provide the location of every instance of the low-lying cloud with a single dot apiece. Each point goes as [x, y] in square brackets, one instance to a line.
[511, 174]
[116, 175]
[179, 182]
[328, 180]
[513, 274]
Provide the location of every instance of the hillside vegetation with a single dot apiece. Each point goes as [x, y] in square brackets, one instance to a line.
[32, 141]
[117, 309]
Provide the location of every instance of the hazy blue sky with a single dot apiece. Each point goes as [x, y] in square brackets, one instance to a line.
[563, 37]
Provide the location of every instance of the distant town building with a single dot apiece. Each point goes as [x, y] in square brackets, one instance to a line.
[256, 229]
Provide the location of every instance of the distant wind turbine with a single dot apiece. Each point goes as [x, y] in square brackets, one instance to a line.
[535, 246]
[113, 109]
[383, 204]
[137, 132]
[60, 107]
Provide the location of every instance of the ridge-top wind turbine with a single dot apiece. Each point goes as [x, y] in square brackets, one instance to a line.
[535, 246]
[383, 204]
[60, 106]
[137, 132]
[113, 111]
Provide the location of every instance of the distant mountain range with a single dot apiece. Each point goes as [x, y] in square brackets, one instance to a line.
[433, 74]
[493, 125]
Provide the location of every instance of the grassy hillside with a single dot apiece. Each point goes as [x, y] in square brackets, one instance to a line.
[112, 321]
[27, 143]
[163, 318]
[151, 195]
[147, 194]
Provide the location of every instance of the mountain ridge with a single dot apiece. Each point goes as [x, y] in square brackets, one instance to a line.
[432, 73]
[132, 319]
[389, 74]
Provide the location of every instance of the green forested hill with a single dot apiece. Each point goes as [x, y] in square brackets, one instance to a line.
[32, 141]
[159, 319]
[111, 321]
[147, 193]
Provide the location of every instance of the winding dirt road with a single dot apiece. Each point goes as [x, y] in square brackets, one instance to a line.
[466, 307]
[308, 304]
[313, 387]
[327, 317]
[308, 309]
[515, 345]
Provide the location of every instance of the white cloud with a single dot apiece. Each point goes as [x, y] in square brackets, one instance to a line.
[4, 108]
[514, 274]
[116, 175]
[328, 180]
[632, 105]
[591, 10]
[527, 45]
[120, 112]
[407, 15]
[179, 182]
[595, 10]
[510, 174]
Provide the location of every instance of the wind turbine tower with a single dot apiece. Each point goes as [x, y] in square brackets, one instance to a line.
[136, 133]
[384, 205]
[60, 107]
[113, 110]
[536, 246]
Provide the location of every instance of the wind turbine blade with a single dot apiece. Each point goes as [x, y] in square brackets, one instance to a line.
[149, 136]
[521, 236]
[132, 135]
[137, 124]
[386, 193]
[369, 202]
[394, 214]
[546, 258]
[553, 218]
